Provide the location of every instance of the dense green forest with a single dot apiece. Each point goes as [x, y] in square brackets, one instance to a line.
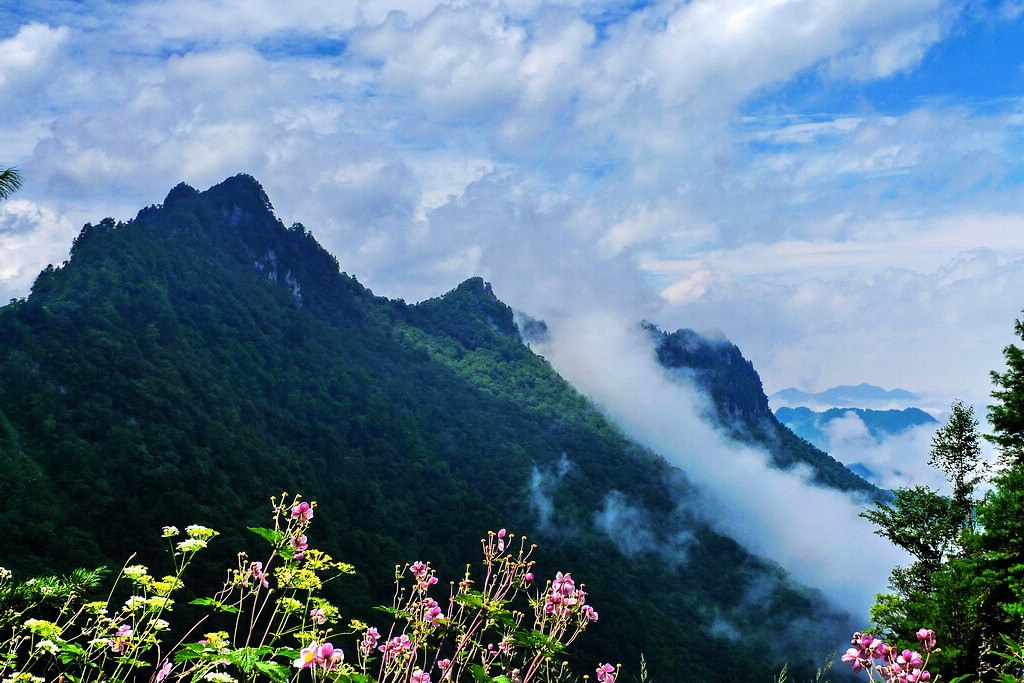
[185, 366]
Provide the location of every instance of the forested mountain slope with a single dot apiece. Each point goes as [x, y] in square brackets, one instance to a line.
[185, 366]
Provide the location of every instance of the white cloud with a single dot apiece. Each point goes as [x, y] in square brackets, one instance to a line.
[775, 514]
[26, 57]
[895, 327]
[894, 460]
[593, 151]
[28, 231]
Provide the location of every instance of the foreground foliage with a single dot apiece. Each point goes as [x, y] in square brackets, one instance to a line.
[271, 622]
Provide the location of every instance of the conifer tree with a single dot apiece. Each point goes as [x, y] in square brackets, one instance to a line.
[1007, 416]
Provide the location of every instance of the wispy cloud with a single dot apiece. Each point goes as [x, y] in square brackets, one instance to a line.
[814, 532]
[739, 164]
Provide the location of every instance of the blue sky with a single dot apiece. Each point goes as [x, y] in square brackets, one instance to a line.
[836, 186]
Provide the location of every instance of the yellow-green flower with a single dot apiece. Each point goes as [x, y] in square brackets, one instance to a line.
[191, 545]
[48, 646]
[158, 602]
[138, 574]
[44, 629]
[219, 677]
[200, 532]
[290, 605]
[23, 677]
[98, 607]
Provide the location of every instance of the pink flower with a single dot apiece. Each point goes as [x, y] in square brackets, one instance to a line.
[927, 638]
[302, 512]
[307, 656]
[317, 615]
[420, 676]
[431, 610]
[418, 569]
[120, 639]
[856, 656]
[444, 664]
[328, 657]
[369, 641]
[501, 540]
[563, 584]
[164, 670]
[319, 655]
[606, 673]
[910, 659]
[527, 577]
[589, 611]
[398, 645]
[257, 573]
[299, 544]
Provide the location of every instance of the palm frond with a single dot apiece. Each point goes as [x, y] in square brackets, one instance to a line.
[10, 182]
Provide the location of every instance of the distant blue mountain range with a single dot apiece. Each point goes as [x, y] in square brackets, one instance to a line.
[810, 425]
[845, 396]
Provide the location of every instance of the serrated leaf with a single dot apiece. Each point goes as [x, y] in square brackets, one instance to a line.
[194, 651]
[275, 538]
[273, 670]
[219, 606]
[355, 678]
[481, 675]
[473, 599]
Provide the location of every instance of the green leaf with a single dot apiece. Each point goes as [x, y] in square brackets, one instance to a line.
[401, 614]
[219, 606]
[481, 676]
[275, 538]
[69, 652]
[355, 678]
[539, 642]
[195, 651]
[289, 653]
[274, 670]
[961, 678]
[471, 599]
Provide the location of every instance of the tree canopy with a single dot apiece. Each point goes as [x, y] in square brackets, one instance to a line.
[968, 581]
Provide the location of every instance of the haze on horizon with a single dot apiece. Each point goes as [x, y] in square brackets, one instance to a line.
[834, 186]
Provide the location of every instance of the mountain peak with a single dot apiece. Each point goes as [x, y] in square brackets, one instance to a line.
[473, 299]
[243, 191]
[476, 286]
[718, 367]
[179, 194]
